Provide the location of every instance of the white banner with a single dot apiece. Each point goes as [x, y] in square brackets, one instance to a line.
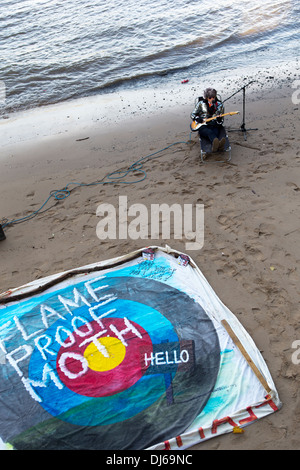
[137, 352]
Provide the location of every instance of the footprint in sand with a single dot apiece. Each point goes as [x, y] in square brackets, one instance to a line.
[293, 186]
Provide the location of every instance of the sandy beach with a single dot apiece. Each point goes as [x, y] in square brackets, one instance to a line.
[251, 254]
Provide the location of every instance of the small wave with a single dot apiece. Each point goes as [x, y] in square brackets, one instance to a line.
[54, 50]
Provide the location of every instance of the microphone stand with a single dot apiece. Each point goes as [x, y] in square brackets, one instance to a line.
[243, 125]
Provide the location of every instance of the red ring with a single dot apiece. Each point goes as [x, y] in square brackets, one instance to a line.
[91, 383]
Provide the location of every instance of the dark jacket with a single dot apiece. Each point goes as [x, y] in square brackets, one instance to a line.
[203, 111]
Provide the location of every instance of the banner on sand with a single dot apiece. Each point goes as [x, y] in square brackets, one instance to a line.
[137, 352]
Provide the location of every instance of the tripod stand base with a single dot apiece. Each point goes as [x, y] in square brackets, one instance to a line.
[242, 129]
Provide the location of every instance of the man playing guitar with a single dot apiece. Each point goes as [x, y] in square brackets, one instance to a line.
[209, 106]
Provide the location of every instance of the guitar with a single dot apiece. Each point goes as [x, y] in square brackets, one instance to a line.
[195, 126]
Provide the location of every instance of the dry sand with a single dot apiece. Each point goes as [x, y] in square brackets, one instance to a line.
[251, 254]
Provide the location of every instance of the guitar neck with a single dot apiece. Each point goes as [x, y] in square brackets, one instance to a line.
[215, 117]
[195, 126]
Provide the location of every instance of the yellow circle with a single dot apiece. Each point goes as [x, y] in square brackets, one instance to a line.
[108, 355]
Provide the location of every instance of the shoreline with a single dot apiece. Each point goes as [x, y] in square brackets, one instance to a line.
[251, 252]
[111, 111]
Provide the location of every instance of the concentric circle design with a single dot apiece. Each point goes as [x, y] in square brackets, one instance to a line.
[103, 365]
[107, 355]
[138, 372]
[81, 387]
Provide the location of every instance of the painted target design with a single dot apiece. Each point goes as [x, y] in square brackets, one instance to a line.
[146, 363]
[91, 368]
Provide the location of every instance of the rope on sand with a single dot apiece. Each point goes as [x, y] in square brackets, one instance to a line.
[111, 178]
